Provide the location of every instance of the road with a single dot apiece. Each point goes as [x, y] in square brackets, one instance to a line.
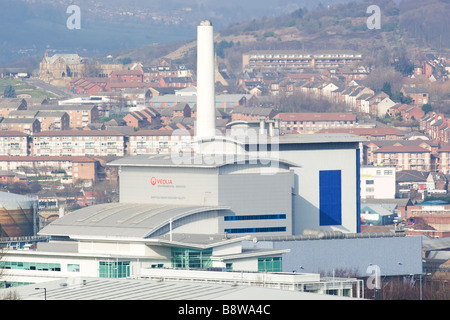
[60, 92]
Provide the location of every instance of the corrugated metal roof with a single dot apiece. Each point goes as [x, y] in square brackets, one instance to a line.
[133, 289]
[190, 160]
[119, 220]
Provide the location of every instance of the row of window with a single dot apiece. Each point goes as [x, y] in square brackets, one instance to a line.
[255, 230]
[31, 266]
[181, 258]
[107, 269]
[40, 266]
[255, 217]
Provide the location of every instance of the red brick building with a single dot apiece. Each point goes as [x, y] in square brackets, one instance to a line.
[127, 76]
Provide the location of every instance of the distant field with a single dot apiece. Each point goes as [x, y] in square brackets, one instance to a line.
[22, 88]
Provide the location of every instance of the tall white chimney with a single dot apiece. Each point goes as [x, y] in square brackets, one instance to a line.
[206, 96]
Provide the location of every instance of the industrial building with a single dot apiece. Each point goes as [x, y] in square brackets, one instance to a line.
[213, 208]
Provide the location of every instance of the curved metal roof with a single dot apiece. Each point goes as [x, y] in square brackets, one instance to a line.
[124, 220]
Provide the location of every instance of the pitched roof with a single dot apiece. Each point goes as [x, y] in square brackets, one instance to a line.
[78, 133]
[46, 158]
[12, 133]
[411, 176]
[402, 149]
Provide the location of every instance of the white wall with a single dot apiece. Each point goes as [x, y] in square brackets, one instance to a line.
[306, 194]
[188, 186]
[377, 182]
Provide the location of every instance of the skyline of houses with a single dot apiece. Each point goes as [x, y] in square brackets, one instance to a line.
[160, 99]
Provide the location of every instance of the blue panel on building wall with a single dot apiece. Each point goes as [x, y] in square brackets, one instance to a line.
[330, 197]
[358, 191]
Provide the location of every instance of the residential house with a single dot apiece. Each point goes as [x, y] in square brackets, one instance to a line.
[252, 113]
[127, 75]
[11, 104]
[9, 177]
[136, 119]
[419, 95]
[363, 103]
[177, 82]
[26, 125]
[80, 115]
[88, 86]
[411, 184]
[54, 120]
[136, 96]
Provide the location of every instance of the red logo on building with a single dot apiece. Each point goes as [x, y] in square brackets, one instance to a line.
[155, 181]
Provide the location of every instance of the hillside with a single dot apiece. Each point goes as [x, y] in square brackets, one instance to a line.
[29, 27]
[408, 30]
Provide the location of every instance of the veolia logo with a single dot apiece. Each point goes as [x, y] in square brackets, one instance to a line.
[155, 181]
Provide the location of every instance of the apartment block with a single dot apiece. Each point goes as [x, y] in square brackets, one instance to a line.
[443, 160]
[26, 125]
[14, 143]
[404, 157]
[54, 120]
[295, 60]
[313, 122]
[160, 142]
[79, 143]
[81, 167]
[80, 115]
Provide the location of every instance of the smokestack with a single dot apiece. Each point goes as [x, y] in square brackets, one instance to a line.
[206, 96]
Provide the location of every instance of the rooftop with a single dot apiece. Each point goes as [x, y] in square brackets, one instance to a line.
[365, 131]
[78, 133]
[119, 220]
[134, 289]
[317, 116]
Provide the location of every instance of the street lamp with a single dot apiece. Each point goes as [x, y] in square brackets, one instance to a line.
[45, 292]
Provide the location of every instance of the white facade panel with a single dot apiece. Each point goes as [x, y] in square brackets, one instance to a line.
[306, 200]
[377, 182]
[169, 185]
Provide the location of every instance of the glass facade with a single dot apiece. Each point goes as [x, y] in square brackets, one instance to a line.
[73, 268]
[269, 264]
[31, 266]
[114, 269]
[191, 258]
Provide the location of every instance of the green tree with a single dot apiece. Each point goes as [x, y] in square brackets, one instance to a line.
[387, 89]
[427, 108]
[126, 60]
[9, 92]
